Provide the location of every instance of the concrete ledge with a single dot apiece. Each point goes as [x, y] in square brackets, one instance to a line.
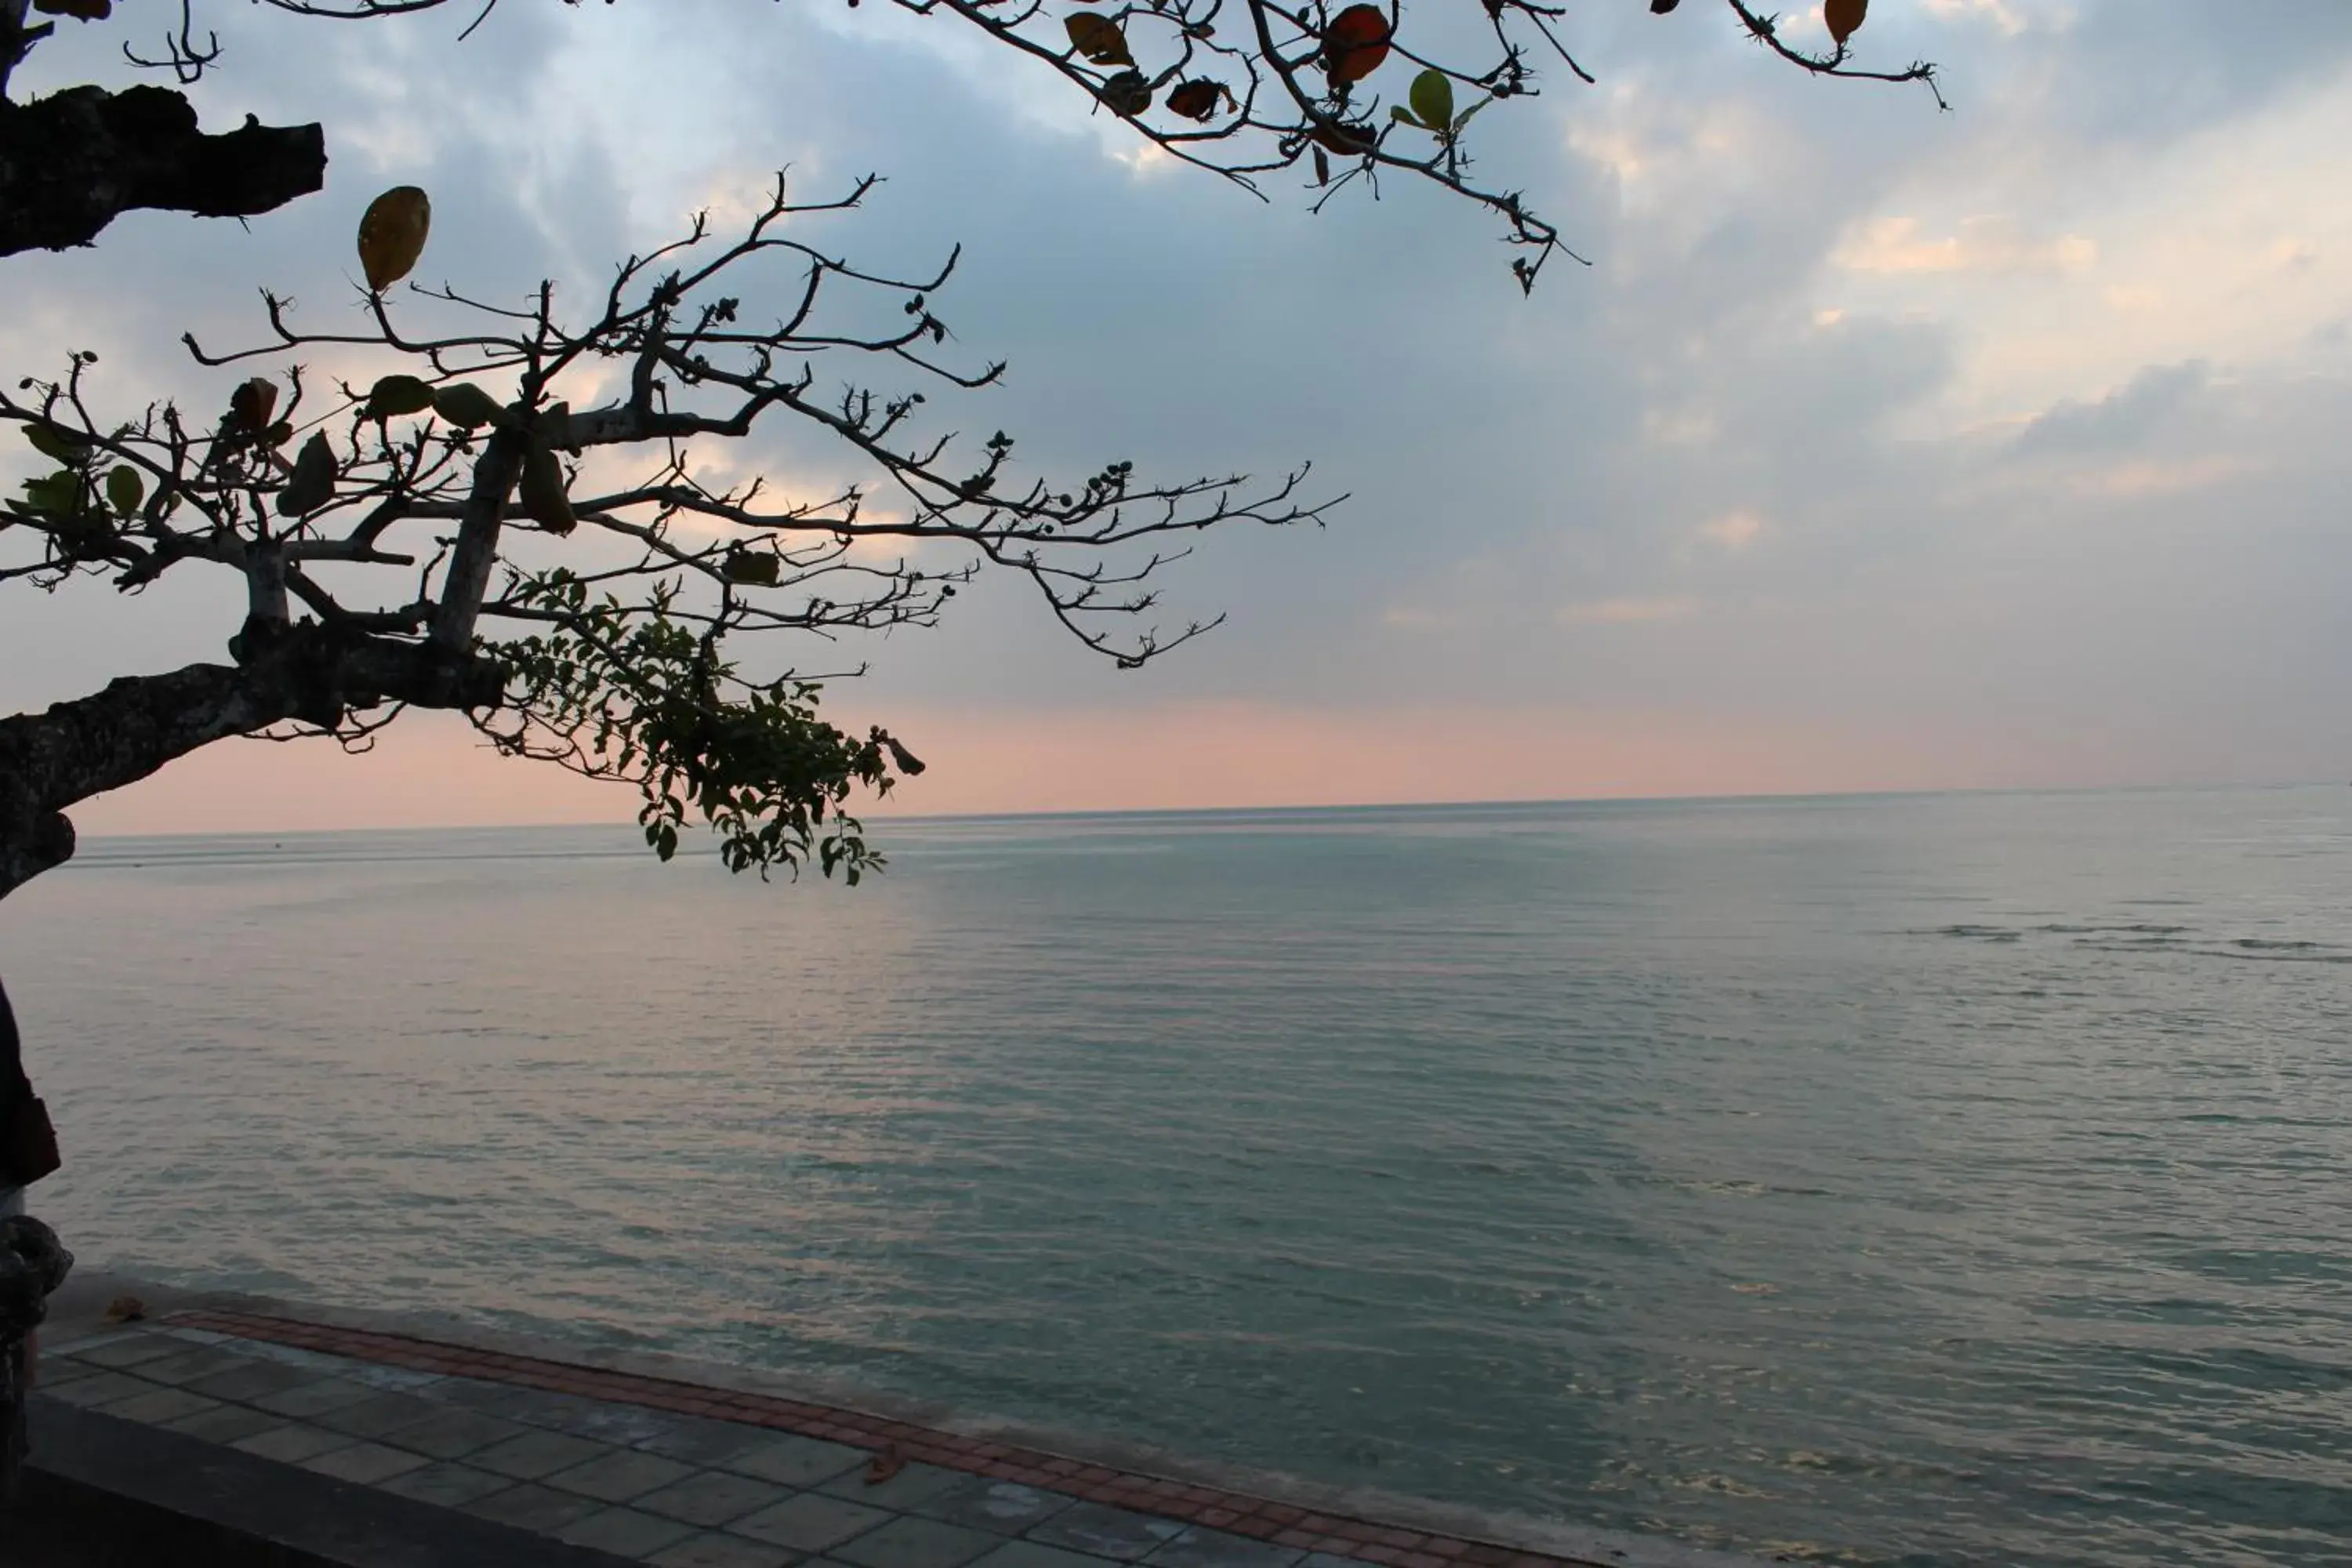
[105, 1490]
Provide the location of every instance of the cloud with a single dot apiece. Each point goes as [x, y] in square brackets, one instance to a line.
[2012, 456]
[1979, 245]
[2124, 419]
[1735, 530]
[1624, 612]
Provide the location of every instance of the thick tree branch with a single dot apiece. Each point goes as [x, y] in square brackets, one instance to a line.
[51, 759]
[71, 162]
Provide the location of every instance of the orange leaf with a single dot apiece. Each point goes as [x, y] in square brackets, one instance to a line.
[1356, 42]
[1844, 19]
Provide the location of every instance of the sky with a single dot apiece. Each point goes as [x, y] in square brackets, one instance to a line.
[1877, 448]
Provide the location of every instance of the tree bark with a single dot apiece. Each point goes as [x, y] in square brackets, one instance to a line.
[70, 162]
[116, 737]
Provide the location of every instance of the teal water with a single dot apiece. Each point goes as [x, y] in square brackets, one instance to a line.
[1923, 1180]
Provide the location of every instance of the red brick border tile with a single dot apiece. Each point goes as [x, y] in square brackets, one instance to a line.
[1237, 1513]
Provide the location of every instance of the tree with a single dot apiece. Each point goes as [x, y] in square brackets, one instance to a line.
[452, 535]
[631, 665]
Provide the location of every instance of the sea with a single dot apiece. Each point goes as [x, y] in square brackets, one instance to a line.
[1940, 1179]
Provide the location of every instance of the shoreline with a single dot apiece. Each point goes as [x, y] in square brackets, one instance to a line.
[1353, 1524]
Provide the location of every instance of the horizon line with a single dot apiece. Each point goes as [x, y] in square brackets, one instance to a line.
[1165, 813]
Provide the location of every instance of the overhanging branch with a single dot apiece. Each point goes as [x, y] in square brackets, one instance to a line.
[71, 162]
[117, 736]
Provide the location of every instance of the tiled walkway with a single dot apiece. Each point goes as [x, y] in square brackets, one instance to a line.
[682, 1474]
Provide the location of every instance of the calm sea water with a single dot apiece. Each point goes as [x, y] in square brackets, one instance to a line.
[1925, 1180]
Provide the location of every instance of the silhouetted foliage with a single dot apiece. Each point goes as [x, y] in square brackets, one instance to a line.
[1351, 92]
[608, 623]
[611, 622]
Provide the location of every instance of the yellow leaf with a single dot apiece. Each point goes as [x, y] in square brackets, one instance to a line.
[1097, 37]
[392, 235]
[1844, 19]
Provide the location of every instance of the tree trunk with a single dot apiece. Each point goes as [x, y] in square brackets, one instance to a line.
[120, 735]
[71, 162]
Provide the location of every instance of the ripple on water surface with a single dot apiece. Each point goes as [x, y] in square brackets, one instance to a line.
[1925, 1180]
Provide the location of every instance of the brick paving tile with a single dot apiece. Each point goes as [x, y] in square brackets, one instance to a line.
[631, 1425]
[795, 1461]
[917, 1543]
[450, 1434]
[224, 1424]
[312, 1398]
[716, 1551]
[911, 1485]
[699, 1441]
[292, 1443]
[624, 1532]
[128, 1350]
[1199, 1548]
[712, 1498]
[810, 1523]
[660, 1416]
[192, 1362]
[446, 1485]
[162, 1404]
[366, 1463]
[534, 1508]
[57, 1369]
[1032, 1554]
[619, 1476]
[101, 1388]
[1003, 1508]
[1118, 1533]
[535, 1455]
[383, 1414]
[500, 1399]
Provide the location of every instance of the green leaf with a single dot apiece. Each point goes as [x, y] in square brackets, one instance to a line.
[125, 489]
[1404, 116]
[55, 495]
[465, 405]
[1432, 99]
[395, 395]
[1464, 118]
[756, 567]
[55, 446]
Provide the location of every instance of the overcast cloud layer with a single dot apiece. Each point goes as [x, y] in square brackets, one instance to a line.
[1879, 447]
